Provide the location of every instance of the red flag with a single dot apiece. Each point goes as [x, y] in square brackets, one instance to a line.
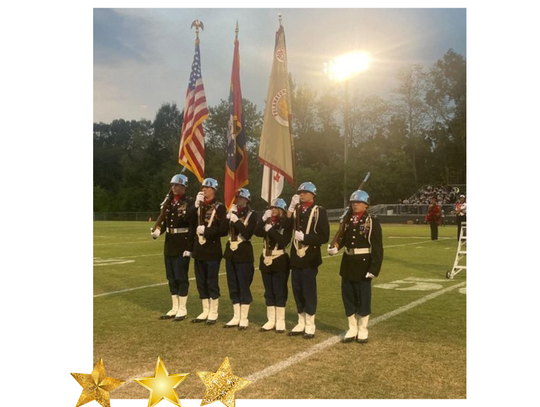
[236, 167]
[191, 153]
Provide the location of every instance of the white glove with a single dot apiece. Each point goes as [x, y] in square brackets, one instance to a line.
[299, 236]
[295, 200]
[234, 218]
[155, 233]
[369, 275]
[267, 227]
[199, 199]
[200, 229]
[332, 251]
[186, 253]
[267, 215]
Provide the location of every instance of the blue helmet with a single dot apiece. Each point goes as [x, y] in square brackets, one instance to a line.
[210, 183]
[180, 179]
[307, 187]
[359, 196]
[244, 193]
[279, 203]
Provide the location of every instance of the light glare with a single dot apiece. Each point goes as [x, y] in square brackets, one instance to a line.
[347, 65]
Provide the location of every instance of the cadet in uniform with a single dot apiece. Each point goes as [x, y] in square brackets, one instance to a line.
[361, 261]
[311, 230]
[206, 217]
[240, 224]
[178, 247]
[276, 230]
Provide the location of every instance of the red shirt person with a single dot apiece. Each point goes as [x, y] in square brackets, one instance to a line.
[433, 217]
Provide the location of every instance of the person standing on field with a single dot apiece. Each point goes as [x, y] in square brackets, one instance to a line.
[433, 217]
[311, 230]
[206, 217]
[178, 245]
[361, 262]
[240, 224]
[276, 230]
[461, 213]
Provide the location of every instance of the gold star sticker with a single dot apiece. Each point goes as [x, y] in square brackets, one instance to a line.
[96, 385]
[221, 385]
[162, 385]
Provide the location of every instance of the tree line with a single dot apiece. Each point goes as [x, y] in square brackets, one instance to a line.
[417, 136]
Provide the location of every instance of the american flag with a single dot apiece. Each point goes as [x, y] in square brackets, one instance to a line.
[191, 153]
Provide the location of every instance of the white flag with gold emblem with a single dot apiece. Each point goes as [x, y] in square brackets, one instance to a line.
[276, 149]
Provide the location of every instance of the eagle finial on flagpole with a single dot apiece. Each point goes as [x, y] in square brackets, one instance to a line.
[197, 24]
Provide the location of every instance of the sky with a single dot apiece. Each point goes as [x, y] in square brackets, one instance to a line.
[142, 57]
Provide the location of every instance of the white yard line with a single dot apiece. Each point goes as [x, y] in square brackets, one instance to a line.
[140, 288]
[272, 370]
[257, 269]
[294, 359]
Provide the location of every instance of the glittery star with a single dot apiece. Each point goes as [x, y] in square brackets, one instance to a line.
[222, 385]
[162, 385]
[96, 385]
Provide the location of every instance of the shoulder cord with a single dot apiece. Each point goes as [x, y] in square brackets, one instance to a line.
[211, 217]
[370, 228]
[246, 220]
[311, 215]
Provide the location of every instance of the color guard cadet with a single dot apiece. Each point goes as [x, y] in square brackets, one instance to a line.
[311, 230]
[178, 246]
[240, 224]
[206, 217]
[361, 261]
[276, 230]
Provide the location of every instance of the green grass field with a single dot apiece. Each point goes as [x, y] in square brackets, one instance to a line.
[417, 346]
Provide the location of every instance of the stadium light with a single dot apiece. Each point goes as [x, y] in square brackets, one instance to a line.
[347, 65]
[342, 69]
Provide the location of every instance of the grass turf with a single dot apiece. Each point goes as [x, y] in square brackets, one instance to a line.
[420, 353]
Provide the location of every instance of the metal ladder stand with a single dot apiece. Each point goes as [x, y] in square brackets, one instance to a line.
[461, 252]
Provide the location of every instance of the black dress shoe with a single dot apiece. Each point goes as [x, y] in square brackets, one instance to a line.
[180, 318]
[165, 317]
[362, 341]
[309, 336]
[230, 326]
[197, 320]
[297, 333]
[242, 328]
[211, 321]
[348, 340]
[280, 332]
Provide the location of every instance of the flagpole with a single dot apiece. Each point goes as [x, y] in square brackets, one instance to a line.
[289, 116]
[232, 133]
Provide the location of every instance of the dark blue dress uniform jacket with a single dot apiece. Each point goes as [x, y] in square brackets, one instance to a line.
[211, 250]
[244, 253]
[278, 241]
[318, 235]
[176, 217]
[355, 267]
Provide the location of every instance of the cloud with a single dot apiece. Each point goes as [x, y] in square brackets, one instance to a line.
[119, 37]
